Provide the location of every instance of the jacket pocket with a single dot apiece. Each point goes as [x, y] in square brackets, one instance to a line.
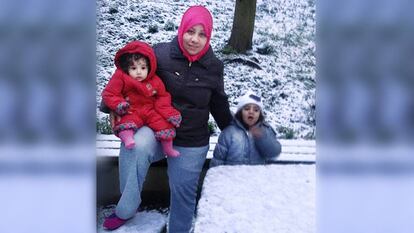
[238, 148]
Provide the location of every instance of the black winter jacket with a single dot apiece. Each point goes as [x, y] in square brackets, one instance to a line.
[196, 89]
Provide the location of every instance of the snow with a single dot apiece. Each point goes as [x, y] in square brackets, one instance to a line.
[287, 84]
[272, 198]
[151, 221]
[287, 79]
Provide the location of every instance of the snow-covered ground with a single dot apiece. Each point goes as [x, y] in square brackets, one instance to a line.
[257, 199]
[285, 28]
[253, 199]
[151, 221]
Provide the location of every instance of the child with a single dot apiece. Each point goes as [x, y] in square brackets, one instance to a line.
[138, 95]
[249, 139]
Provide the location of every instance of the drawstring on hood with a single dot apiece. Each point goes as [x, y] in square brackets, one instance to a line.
[195, 15]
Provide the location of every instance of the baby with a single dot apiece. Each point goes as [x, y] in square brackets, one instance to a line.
[138, 95]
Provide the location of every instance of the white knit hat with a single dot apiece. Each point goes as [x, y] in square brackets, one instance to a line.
[249, 98]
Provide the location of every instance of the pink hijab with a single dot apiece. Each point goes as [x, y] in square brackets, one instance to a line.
[195, 15]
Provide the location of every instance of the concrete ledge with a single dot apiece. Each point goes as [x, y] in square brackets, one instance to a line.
[292, 150]
[156, 189]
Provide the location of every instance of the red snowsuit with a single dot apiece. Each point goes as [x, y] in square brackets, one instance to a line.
[149, 102]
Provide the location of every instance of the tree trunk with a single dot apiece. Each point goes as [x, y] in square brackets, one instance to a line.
[243, 25]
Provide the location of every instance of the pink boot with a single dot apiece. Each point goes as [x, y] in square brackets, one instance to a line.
[113, 222]
[127, 136]
[167, 147]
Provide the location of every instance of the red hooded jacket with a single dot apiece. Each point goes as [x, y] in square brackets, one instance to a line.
[149, 102]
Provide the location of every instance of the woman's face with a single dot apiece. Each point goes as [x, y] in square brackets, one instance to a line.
[194, 39]
[250, 114]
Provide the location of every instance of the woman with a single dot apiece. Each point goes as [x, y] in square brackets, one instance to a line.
[194, 77]
[249, 139]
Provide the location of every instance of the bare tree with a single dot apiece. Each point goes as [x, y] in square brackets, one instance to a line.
[243, 26]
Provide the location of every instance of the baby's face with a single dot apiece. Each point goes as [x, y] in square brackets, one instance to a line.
[250, 114]
[138, 70]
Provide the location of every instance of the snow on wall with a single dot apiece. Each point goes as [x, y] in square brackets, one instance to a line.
[272, 198]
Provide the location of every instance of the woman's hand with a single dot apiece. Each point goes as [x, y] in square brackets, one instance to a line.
[114, 118]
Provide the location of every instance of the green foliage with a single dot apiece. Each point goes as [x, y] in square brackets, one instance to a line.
[287, 133]
[153, 28]
[310, 135]
[228, 50]
[212, 127]
[311, 114]
[265, 49]
[169, 26]
[136, 37]
[103, 126]
[113, 10]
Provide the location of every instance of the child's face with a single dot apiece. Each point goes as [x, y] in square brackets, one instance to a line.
[194, 39]
[138, 70]
[250, 114]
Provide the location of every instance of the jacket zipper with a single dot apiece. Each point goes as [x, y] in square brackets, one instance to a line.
[248, 145]
[188, 71]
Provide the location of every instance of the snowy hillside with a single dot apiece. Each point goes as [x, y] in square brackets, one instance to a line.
[283, 47]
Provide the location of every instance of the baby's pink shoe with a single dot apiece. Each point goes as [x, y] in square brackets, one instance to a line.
[167, 147]
[113, 222]
[127, 136]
